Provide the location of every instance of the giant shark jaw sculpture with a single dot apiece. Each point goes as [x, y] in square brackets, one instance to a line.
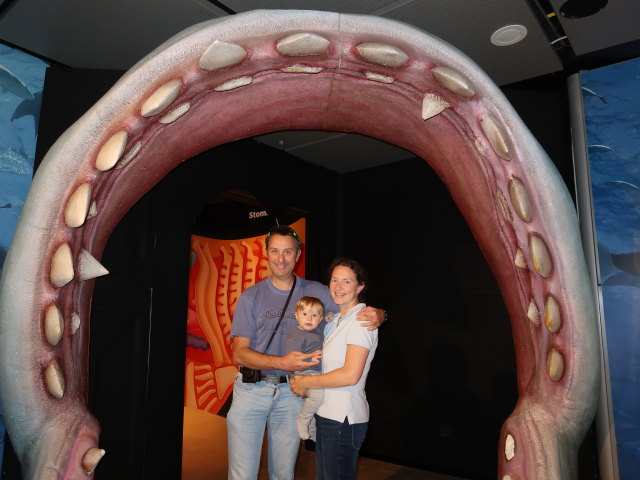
[282, 70]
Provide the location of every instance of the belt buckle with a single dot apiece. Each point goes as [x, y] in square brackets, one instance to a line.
[274, 379]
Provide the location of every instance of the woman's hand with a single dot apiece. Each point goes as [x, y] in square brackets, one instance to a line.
[297, 385]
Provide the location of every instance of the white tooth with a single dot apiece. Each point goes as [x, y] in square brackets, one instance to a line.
[378, 77]
[302, 44]
[382, 54]
[54, 379]
[540, 256]
[89, 267]
[62, 266]
[129, 156]
[235, 83]
[520, 259]
[93, 210]
[552, 315]
[497, 137]
[75, 323]
[53, 325]
[555, 365]
[454, 81]
[509, 447]
[111, 151]
[91, 458]
[433, 105]
[520, 199]
[297, 68]
[176, 113]
[222, 54]
[504, 206]
[533, 314]
[77, 207]
[161, 98]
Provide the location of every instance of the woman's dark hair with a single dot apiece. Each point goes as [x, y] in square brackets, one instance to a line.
[361, 274]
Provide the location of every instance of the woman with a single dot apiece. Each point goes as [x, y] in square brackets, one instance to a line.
[342, 418]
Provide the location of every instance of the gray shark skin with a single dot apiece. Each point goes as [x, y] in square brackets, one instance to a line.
[264, 71]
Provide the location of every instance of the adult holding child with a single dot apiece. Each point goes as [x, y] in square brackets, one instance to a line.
[261, 395]
[343, 416]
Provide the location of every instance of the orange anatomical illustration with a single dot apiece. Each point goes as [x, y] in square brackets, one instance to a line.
[220, 271]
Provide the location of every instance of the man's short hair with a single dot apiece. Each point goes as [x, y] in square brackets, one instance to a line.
[283, 230]
[308, 301]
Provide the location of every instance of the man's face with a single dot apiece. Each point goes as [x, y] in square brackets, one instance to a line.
[282, 255]
[309, 317]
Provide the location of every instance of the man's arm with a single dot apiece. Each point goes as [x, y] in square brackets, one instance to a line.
[292, 361]
[371, 317]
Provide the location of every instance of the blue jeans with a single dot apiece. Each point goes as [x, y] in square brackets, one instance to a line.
[337, 448]
[254, 406]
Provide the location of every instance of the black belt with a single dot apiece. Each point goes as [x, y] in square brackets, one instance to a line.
[274, 379]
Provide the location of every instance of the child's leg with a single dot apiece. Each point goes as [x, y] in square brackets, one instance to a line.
[306, 422]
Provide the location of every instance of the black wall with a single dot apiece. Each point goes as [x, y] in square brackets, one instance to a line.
[443, 379]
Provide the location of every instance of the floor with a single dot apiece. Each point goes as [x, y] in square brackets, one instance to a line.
[368, 469]
[205, 456]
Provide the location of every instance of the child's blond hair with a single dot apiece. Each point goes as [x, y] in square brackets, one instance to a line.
[308, 301]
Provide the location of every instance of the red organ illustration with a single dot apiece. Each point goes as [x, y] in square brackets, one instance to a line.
[220, 271]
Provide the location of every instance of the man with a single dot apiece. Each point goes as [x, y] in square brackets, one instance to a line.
[269, 401]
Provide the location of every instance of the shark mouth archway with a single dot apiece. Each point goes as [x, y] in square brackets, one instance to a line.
[285, 70]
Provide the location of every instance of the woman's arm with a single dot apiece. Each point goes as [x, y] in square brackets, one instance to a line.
[349, 374]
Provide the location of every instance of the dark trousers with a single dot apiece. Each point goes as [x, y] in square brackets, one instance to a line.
[337, 448]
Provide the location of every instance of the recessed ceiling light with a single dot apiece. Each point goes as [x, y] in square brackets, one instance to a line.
[508, 35]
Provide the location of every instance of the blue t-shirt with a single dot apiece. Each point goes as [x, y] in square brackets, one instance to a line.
[258, 311]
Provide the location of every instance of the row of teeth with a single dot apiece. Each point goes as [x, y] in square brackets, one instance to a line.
[222, 55]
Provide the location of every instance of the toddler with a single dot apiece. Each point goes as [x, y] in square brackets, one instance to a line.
[306, 338]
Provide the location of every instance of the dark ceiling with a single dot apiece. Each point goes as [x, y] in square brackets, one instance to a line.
[115, 34]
